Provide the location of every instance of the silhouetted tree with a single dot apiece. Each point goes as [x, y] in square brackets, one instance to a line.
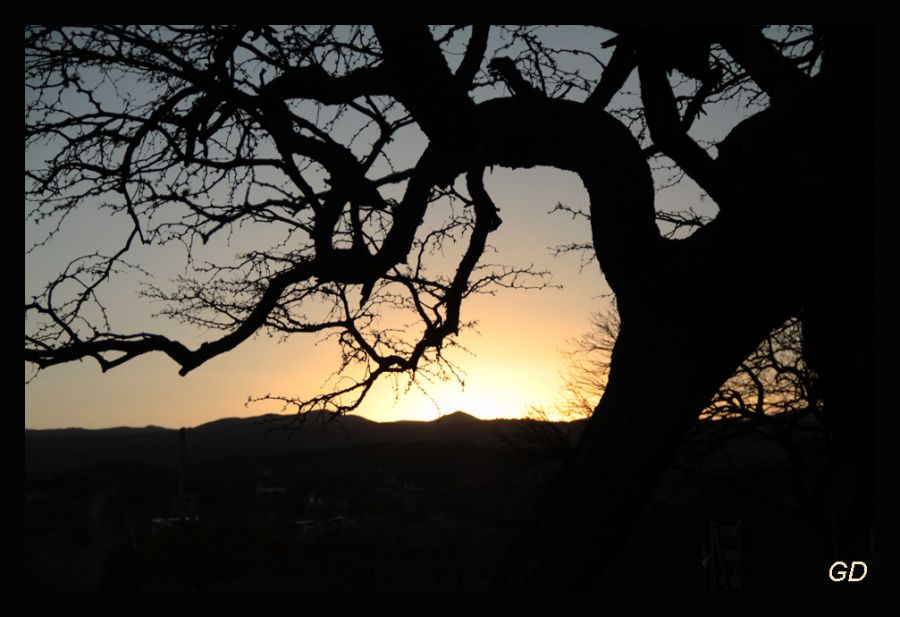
[192, 132]
[772, 394]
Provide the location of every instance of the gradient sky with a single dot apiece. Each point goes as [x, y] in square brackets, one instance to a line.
[515, 356]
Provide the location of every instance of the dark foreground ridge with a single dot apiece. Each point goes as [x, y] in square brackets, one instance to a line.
[393, 506]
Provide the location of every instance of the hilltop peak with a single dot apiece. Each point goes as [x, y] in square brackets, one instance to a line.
[457, 416]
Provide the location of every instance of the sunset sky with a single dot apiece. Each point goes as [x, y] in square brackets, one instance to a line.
[515, 359]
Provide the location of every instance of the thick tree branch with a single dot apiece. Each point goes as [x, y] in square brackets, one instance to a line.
[523, 132]
[131, 346]
[314, 83]
[621, 64]
[670, 135]
[422, 81]
[473, 57]
[778, 76]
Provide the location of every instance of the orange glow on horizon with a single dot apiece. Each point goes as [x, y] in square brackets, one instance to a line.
[515, 358]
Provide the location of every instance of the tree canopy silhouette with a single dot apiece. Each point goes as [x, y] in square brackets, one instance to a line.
[192, 132]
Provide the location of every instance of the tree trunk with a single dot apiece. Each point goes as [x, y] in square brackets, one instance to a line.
[663, 374]
[795, 238]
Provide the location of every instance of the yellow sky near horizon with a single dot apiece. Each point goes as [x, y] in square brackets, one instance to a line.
[515, 361]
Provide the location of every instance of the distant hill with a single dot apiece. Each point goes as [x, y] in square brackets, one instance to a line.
[273, 435]
[69, 449]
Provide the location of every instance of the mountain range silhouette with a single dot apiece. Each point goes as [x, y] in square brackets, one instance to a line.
[271, 434]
